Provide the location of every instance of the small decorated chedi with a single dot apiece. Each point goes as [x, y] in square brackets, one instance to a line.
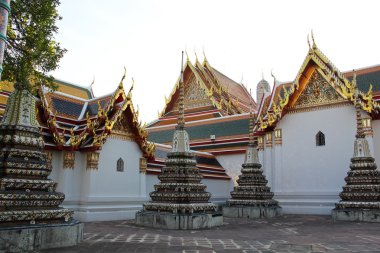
[252, 197]
[360, 198]
[180, 200]
[27, 196]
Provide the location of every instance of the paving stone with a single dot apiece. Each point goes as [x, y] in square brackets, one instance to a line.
[315, 234]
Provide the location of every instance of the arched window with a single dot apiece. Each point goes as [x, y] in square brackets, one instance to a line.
[320, 139]
[120, 165]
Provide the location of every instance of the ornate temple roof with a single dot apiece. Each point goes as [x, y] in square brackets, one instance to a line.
[209, 94]
[317, 66]
[72, 121]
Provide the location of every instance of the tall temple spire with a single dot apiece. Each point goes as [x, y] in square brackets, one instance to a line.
[251, 197]
[181, 110]
[251, 139]
[359, 120]
[251, 155]
[180, 200]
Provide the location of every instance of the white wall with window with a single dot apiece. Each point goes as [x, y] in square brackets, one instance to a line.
[310, 177]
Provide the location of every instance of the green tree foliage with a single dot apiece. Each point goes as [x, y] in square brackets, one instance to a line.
[32, 52]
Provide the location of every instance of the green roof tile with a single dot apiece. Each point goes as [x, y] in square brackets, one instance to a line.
[229, 128]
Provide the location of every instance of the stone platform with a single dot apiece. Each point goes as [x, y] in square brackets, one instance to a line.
[368, 215]
[38, 237]
[165, 220]
[252, 212]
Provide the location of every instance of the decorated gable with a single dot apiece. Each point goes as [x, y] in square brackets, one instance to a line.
[317, 92]
[195, 96]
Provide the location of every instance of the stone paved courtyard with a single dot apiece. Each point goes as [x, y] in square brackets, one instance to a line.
[289, 233]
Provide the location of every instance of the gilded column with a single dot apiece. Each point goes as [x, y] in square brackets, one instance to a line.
[4, 13]
[268, 157]
[277, 161]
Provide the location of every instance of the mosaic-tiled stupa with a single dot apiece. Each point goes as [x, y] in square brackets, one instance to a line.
[251, 198]
[28, 200]
[180, 200]
[360, 198]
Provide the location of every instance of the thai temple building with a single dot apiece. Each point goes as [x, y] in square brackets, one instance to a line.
[106, 161]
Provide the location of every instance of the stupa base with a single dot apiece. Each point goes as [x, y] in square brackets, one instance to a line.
[185, 221]
[351, 214]
[251, 212]
[38, 237]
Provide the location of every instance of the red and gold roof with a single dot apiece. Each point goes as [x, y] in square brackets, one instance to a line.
[208, 94]
[317, 67]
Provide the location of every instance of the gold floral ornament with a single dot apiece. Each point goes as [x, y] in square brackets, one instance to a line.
[271, 118]
[68, 159]
[109, 124]
[100, 110]
[368, 98]
[92, 160]
[88, 120]
[348, 88]
[263, 124]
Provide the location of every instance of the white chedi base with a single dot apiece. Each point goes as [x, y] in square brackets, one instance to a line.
[166, 220]
[251, 212]
[367, 215]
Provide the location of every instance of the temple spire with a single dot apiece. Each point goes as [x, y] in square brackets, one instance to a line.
[359, 120]
[251, 155]
[181, 110]
[251, 138]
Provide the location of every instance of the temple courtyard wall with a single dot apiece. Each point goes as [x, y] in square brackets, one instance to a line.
[305, 178]
[104, 193]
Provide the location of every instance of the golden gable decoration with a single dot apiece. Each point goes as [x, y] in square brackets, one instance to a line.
[318, 92]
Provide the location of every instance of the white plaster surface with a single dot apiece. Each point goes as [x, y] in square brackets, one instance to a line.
[103, 194]
[232, 164]
[312, 176]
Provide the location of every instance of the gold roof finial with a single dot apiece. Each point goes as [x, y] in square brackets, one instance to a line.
[181, 109]
[187, 57]
[308, 42]
[204, 55]
[271, 73]
[133, 85]
[196, 56]
[122, 79]
[359, 121]
[312, 38]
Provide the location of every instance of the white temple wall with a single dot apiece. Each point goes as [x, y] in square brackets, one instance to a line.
[69, 180]
[232, 165]
[312, 176]
[376, 141]
[105, 193]
[219, 189]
